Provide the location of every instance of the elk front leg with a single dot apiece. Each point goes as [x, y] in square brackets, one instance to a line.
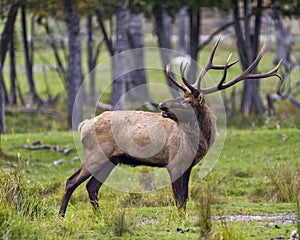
[72, 183]
[180, 187]
[96, 182]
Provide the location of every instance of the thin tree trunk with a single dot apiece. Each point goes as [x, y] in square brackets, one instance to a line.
[60, 66]
[6, 36]
[163, 41]
[181, 18]
[13, 95]
[120, 79]
[283, 43]
[28, 61]
[138, 76]
[195, 17]
[74, 65]
[104, 32]
[90, 58]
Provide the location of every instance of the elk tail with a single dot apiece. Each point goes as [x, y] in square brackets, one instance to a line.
[81, 125]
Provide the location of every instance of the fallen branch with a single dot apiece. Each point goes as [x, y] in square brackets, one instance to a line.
[51, 147]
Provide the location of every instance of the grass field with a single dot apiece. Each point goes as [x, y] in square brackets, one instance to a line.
[242, 183]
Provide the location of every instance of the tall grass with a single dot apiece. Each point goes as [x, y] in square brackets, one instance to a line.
[285, 179]
[20, 204]
[203, 198]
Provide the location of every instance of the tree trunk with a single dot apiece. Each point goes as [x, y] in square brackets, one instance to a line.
[181, 18]
[13, 95]
[74, 65]
[195, 17]
[120, 80]
[138, 76]
[283, 43]
[28, 61]
[104, 32]
[6, 36]
[90, 58]
[163, 35]
[60, 66]
[247, 43]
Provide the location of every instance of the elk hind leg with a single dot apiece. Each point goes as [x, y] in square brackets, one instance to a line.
[96, 182]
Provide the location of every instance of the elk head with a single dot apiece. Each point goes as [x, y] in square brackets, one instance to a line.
[193, 94]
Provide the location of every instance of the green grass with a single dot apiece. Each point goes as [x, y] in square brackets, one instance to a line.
[240, 185]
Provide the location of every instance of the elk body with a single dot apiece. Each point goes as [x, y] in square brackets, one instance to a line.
[178, 137]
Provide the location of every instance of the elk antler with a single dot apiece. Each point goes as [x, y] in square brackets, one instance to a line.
[173, 80]
[247, 74]
[193, 90]
[210, 65]
[196, 89]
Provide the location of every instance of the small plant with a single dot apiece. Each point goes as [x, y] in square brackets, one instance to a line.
[202, 195]
[113, 217]
[119, 223]
[227, 231]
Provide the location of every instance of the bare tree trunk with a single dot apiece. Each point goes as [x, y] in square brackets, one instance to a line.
[104, 32]
[195, 17]
[119, 63]
[181, 18]
[90, 59]
[13, 95]
[163, 35]
[283, 42]
[28, 61]
[247, 43]
[138, 76]
[6, 36]
[74, 64]
[59, 63]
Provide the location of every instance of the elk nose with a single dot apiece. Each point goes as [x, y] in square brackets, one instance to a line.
[162, 106]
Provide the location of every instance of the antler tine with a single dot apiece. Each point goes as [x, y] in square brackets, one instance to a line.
[173, 80]
[226, 66]
[210, 65]
[193, 90]
[245, 75]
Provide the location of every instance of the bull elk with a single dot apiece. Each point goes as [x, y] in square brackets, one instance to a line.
[179, 137]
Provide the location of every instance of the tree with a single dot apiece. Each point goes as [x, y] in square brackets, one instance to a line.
[181, 18]
[13, 74]
[74, 63]
[119, 63]
[129, 35]
[6, 36]
[248, 45]
[28, 57]
[136, 41]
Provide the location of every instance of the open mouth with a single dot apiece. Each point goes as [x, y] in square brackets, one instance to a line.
[164, 111]
[165, 114]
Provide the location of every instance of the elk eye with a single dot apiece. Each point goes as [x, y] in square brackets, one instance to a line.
[187, 101]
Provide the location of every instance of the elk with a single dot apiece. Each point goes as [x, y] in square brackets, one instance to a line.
[178, 137]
